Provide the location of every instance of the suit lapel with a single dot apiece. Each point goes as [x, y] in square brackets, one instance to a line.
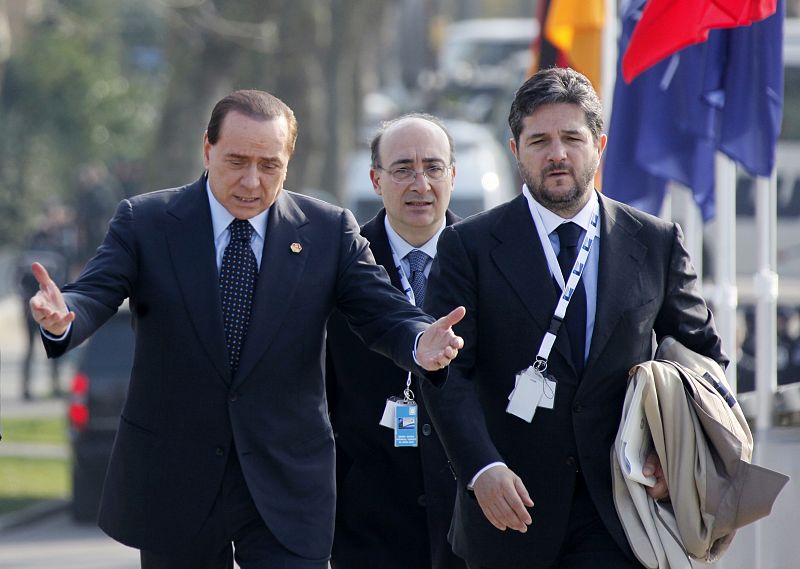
[375, 232]
[278, 279]
[191, 247]
[621, 254]
[520, 259]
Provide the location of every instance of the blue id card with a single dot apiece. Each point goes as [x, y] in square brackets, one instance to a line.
[405, 424]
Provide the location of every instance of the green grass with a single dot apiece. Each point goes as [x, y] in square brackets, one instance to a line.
[24, 481]
[35, 430]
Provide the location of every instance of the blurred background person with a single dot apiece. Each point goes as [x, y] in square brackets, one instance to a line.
[53, 244]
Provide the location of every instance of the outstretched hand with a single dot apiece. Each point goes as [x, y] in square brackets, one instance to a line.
[47, 306]
[439, 345]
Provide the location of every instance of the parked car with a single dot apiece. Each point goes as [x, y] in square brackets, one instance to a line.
[484, 177]
[487, 52]
[96, 398]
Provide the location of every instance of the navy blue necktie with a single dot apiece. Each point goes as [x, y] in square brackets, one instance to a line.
[237, 283]
[575, 318]
[417, 260]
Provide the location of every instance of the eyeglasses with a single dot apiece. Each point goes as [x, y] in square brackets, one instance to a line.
[405, 175]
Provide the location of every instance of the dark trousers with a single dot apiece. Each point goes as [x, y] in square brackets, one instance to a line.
[587, 545]
[234, 529]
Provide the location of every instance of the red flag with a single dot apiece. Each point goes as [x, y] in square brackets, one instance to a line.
[667, 26]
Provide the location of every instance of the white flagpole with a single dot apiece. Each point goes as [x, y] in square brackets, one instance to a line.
[766, 286]
[726, 296]
[608, 59]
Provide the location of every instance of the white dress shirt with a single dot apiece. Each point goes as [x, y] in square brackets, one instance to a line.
[221, 218]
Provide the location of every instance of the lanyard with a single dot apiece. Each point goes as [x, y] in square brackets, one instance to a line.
[409, 292]
[567, 288]
[404, 282]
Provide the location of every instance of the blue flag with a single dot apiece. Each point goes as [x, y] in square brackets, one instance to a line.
[754, 94]
[725, 93]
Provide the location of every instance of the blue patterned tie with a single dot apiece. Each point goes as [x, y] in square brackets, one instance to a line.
[417, 261]
[237, 283]
[575, 318]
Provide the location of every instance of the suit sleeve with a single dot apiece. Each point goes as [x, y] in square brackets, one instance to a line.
[374, 309]
[104, 283]
[454, 406]
[684, 314]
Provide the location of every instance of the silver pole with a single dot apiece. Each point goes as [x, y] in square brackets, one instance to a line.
[725, 296]
[766, 287]
[608, 60]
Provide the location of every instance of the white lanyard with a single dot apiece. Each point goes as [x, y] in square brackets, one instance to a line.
[409, 292]
[404, 282]
[567, 288]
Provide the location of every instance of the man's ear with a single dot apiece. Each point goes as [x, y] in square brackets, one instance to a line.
[374, 176]
[206, 149]
[601, 143]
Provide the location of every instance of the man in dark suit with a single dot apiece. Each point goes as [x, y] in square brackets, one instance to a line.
[225, 437]
[505, 266]
[393, 505]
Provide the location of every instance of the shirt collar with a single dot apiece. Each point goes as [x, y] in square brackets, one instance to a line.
[401, 247]
[221, 218]
[552, 220]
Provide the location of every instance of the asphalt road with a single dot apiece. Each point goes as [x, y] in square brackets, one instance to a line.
[56, 541]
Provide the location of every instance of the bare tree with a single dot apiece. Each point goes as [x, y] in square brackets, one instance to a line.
[307, 52]
[207, 42]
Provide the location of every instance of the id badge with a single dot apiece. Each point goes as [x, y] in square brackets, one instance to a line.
[532, 390]
[405, 425]
[387, 420]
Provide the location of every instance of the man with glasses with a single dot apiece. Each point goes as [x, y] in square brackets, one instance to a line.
[388, 495]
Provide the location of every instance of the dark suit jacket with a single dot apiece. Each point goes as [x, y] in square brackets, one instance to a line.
[494, 265]
[184, 413]
[393, 505]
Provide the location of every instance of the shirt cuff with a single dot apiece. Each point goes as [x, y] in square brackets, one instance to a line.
[414, 352]
[52, 338]
[472, 482]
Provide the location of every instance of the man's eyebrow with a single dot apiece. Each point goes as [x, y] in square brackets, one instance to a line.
[570, 131]
[409, 161]
[236, 155]
[402, 162]
[535, 135]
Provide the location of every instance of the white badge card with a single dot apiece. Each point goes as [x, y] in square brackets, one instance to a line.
[549, 394]
[405, 425]
[531, 390]
[387, 420]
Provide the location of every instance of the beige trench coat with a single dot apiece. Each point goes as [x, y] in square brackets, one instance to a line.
[682, 405]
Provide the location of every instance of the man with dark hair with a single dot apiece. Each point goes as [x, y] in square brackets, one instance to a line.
[224, 438]
[387, 496]
[564, 291]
